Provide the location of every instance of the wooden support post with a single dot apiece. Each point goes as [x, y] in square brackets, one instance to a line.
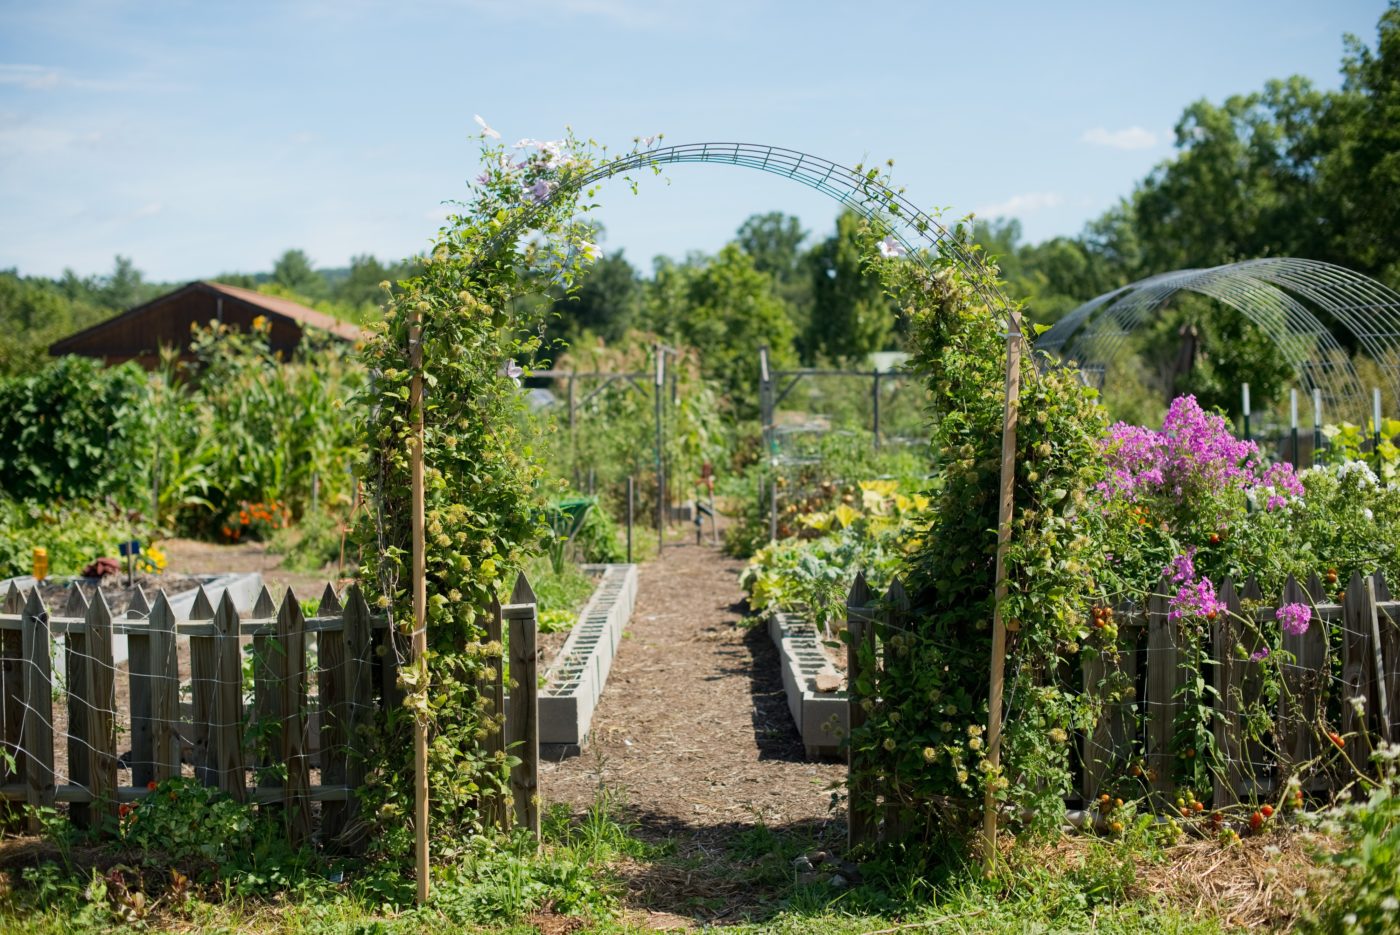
[420, 606]
[660, 468]
[861, 821]
[76, 668]
[226, 735]
[523, 723]
[1302, 691]
[102, 715]
[1005, 509]
[291, 716]
[631, 501]
[1163, 665]
[37, 737]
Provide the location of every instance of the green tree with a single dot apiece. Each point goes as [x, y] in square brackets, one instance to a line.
[606, 303]
[851, 315]
[293, 271]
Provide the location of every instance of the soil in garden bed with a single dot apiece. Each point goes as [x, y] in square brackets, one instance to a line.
[115, 589]
[693, 732]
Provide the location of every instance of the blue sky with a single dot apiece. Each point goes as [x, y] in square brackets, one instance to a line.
[199, 138]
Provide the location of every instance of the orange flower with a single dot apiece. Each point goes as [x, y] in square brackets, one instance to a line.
[151, 786]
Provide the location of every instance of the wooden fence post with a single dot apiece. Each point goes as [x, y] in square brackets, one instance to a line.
[860, 800]
[1110, 739]
[203, 688]
[1388, 655]
[358, 682]
[264, 724]
[102, 715]
[1231, 672]
[76, 668]
[491, 689]
[523, 722]
[12, 683]
[227, 734]
[331, 702]
[1163, 662]
[1302, 687]
[290, 670]
[36, 738]
[165, 691]
[1358, 666]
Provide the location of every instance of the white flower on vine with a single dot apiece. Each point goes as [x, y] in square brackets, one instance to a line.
[513, 370]
[591, 250]
[649, 141]
[485, 127]
[540, 190]
[890, 248]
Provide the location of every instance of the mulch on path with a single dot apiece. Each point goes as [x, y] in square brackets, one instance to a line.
[693, 728]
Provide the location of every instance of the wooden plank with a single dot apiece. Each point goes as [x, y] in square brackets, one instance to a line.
[358, 698]
[226, 733]
[101, 691]
[1231, 648]
[291, 714]
[12, 684]
[265, 731]
[1163, 679]
[1388, 645]
[76, 670]
[141, 685]
[1299, 701]
[332, 704]
[204, 651]
[523, 721]
[37, 737]
[1109, 740]
[861, 821]
[1358, 667]
[165, 691]
[491, 689]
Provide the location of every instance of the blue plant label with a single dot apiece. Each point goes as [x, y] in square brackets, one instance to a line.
[129, 548]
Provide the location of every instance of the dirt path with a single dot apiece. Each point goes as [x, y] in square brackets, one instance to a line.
[693, 728]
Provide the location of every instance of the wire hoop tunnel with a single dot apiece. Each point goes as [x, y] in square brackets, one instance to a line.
[910, 226]
[1283, 297]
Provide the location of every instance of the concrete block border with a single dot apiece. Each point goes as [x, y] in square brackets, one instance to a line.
[578, 672]
[822, 718]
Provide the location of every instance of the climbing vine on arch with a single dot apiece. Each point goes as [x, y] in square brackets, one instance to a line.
[523, 224]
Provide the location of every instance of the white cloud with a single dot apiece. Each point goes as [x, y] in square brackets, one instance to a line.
[1131, 138]
[43, 78]
[1018, 205]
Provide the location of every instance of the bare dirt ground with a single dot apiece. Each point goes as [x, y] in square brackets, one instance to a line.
[693, 736]
[191, 557]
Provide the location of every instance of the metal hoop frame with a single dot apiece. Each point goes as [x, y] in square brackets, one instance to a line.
[1282, 296]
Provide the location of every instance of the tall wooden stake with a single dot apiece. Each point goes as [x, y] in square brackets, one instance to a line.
[1005, 504]
[420, 605]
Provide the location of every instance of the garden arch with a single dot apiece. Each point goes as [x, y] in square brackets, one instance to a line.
[1283, 296]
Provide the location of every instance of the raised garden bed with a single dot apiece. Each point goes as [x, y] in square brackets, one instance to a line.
[822, 717]
[574, 679]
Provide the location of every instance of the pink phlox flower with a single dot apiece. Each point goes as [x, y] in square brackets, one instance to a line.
[1260, 654]
[1294, 618]
[1183, 567]
[1194, 600]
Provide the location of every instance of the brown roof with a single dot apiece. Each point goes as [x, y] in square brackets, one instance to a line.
[292, 314]
[277, 305]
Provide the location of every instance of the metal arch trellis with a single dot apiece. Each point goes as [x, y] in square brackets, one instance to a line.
[1283, 296]
[909, 225]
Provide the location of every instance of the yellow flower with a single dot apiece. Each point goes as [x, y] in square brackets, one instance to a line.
[259, 322]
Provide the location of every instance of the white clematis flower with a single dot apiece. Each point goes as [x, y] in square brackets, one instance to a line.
[485, 128]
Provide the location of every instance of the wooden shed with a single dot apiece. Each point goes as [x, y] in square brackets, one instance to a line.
[139, 333]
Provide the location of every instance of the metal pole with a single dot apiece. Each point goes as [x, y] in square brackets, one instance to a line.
[1376, 425]
[773, 507]
[1005, 508]
[875, 393]
[1244, 392]
[420, 603]
[660, 473]
[631, 491]
[1317, 426]
[1293, 422]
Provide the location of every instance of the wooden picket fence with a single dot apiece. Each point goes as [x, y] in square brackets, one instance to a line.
[1139, 729]
[295, 739]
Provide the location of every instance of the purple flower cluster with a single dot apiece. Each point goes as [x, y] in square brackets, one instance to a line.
[1194, 600]
[1294, 618]
[1193, 454]
[1183, 567]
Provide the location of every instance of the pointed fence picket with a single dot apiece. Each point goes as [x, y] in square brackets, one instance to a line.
[1143, 684]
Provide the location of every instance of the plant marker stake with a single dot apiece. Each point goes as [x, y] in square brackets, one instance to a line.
[1376, 424]
[1317, 425]
[1005, 505]
[1244, 390]
[1293, 420]
[420, 605]
[631, 495]
[660, 478]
